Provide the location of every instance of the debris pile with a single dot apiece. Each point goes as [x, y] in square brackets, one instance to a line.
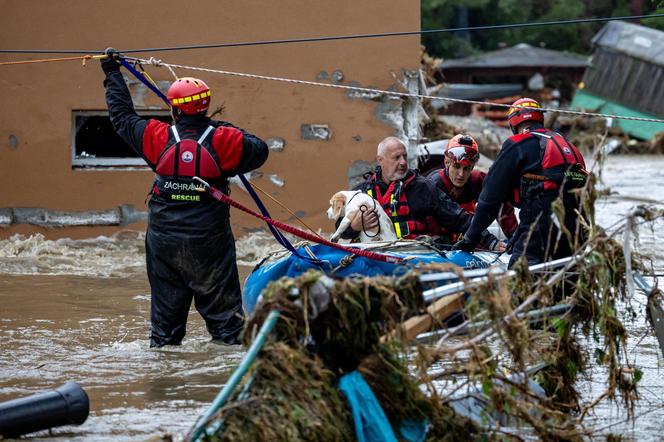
[591, 132]
[291, 394]
[487, 122]
[479, 384]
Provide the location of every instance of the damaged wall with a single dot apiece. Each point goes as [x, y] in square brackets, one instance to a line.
[315, 134]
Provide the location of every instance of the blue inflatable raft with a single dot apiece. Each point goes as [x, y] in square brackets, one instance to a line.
[341, 264]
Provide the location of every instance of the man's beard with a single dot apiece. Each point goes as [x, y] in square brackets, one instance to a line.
[399, 175]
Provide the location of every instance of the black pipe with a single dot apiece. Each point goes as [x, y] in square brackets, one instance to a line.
[67, 405]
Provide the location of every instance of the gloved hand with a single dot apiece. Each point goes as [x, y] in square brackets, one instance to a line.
[112, 61]
[490, 242]
[465, 244]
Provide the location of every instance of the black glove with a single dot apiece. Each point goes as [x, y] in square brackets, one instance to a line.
[465, 244]
[111, 62]
[489, 241]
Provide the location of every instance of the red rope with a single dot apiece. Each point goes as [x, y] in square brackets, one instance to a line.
[220, 196]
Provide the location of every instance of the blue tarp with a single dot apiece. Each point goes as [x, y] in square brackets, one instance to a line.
[293, 266]
[371, 424]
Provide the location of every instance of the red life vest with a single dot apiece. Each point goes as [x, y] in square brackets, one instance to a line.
[180, 161]
[395, 204]
[466, 197]
[561, 165]
[188, 158]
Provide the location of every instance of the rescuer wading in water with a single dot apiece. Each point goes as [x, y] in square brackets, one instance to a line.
[189, 245]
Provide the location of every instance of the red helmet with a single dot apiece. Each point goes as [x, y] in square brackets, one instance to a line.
[517, 115]
[190, 95]
[462, 149]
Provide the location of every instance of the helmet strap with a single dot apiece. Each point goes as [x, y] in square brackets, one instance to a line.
[514, 130]
[176, 113]
[525, 126]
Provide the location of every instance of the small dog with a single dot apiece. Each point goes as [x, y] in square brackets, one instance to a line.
[347, 203]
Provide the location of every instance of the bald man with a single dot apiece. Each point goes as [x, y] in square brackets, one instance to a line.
[413, 203]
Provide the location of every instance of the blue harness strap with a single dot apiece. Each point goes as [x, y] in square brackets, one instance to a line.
[281, 239]
[143, 80]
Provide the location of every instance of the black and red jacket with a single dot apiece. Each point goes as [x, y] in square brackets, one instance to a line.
[466, 196]
[527, 174]
[394, 201]
[415, 204]
[223, 152]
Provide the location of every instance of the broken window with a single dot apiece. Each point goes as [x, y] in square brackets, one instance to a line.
[96, 145]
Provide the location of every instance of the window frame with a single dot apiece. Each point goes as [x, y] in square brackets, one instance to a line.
[123, 163]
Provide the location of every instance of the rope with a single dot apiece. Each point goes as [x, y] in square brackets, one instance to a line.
[147, 81]
[384, 92]
[344, 37]
[220, 196]
[144, 79]
[157, 62]
[281, 239]
[49, 60]
[286, 209]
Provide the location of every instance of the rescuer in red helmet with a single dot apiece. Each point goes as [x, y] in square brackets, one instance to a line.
[189, 96]
[535, 166]
[522, 110]
[463, 184]
[190, 250]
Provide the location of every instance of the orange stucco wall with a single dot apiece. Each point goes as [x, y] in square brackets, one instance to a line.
[38, 99]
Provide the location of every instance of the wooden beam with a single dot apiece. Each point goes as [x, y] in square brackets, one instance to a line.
[436, 313]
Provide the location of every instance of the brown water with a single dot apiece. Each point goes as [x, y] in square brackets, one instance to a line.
[79, 310]
[93, 331]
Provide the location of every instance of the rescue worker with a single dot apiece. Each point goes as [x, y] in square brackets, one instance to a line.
[413, 203]
[459, 179]
[533, 168]
[190, 250]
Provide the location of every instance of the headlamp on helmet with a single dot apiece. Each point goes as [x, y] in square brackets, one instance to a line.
[462, 149]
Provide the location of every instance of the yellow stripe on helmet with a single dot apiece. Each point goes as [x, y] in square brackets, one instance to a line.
[176, 101]
[522, 105]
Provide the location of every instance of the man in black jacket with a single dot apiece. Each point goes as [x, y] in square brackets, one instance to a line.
[190, 250]
[534, 167]
[414, 204]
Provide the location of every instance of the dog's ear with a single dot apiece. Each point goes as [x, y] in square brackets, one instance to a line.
[338, 202]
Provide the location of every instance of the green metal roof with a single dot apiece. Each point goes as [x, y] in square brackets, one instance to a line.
[643, 130]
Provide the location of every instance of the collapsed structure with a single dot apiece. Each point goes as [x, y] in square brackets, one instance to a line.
[625, 77]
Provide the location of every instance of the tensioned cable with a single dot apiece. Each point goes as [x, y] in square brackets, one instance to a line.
[374, 91]
[342, 37]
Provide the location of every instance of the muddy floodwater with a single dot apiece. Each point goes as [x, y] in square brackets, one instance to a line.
[79, 310]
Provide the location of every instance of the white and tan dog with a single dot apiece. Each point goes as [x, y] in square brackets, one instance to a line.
[346, 204]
